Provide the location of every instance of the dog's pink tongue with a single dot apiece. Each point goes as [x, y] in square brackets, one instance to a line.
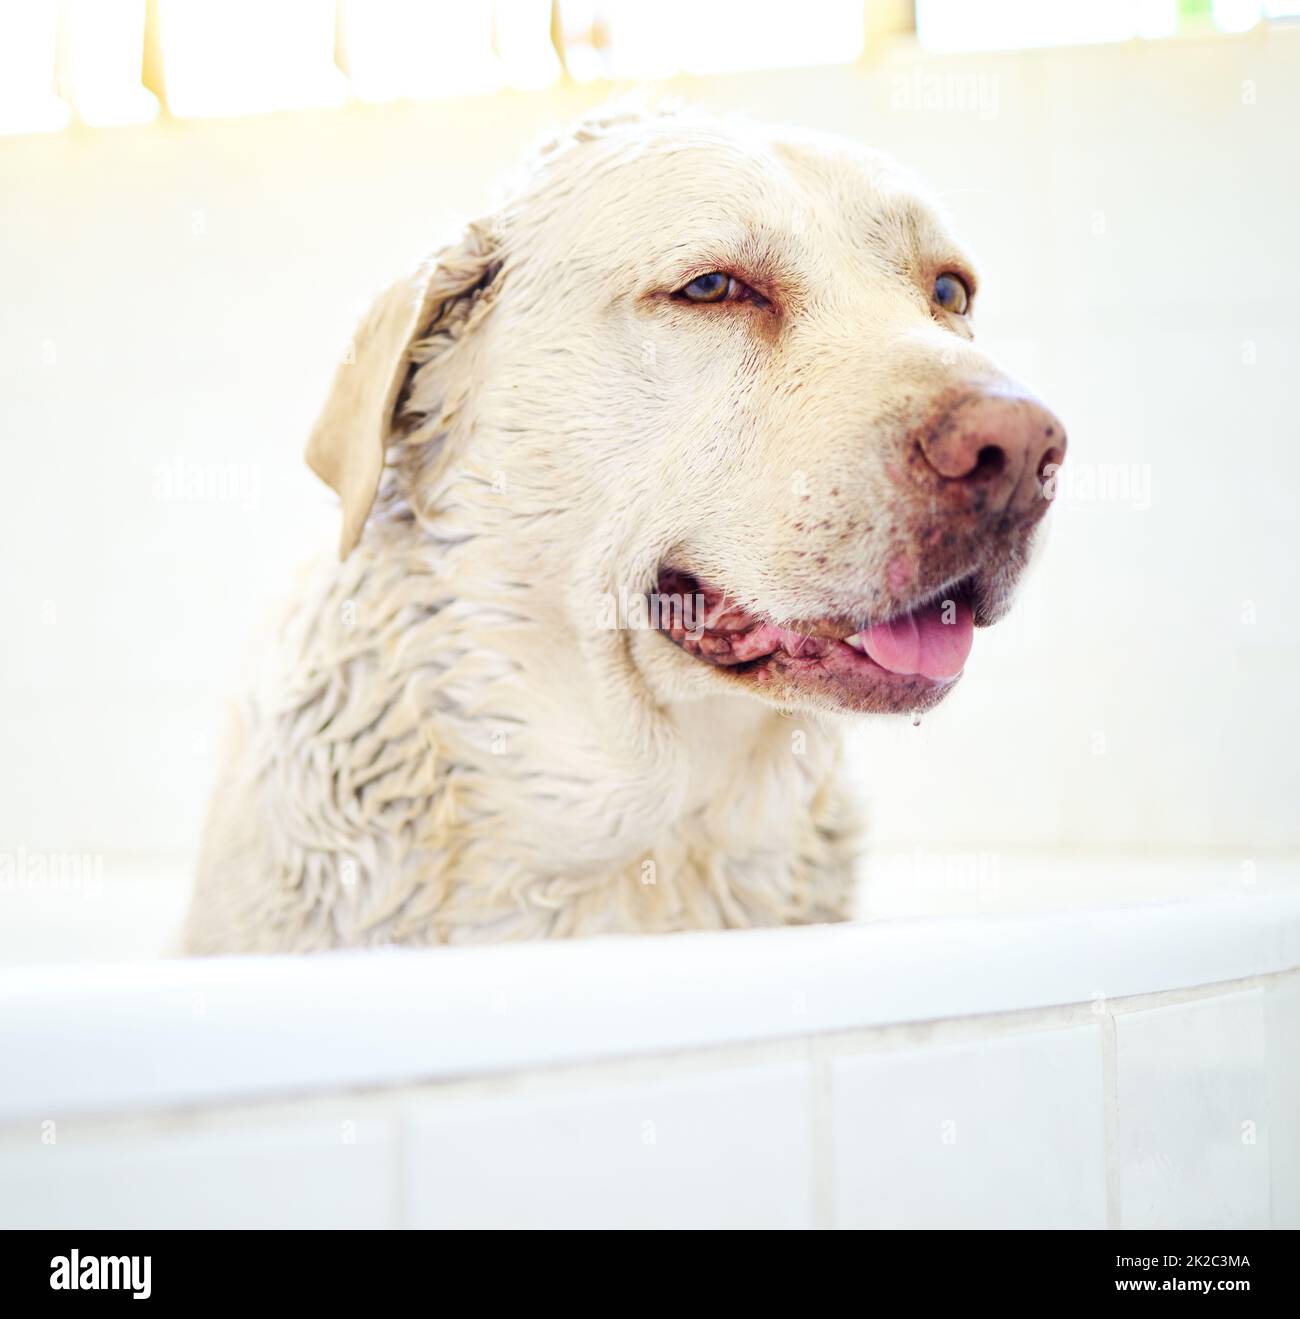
[923, 642]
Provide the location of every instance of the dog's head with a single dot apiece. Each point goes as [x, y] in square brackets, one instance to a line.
[730, 376]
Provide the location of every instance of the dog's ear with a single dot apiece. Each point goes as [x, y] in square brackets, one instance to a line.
[347, 444]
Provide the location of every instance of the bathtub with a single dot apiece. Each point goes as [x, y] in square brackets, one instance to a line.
[1123, 1066]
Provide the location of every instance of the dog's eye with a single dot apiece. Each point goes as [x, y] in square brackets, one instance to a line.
[951, 293]
[713, 287]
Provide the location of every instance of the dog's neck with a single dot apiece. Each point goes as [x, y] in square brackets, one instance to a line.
[552, 764]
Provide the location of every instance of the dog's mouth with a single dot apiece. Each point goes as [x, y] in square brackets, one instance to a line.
[907, 662]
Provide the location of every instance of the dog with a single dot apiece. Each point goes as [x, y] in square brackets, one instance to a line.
[647, 481]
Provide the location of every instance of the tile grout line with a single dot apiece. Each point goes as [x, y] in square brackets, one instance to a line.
[1272, 1062]
[1110, 1108]
[823, 1162]
[401, 1191]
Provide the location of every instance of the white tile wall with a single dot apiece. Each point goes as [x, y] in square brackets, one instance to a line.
[720, 1149]
[1282, 1029]
[996, 1133]
[219, 1172]
[1194, 1126]
[1006, 1130]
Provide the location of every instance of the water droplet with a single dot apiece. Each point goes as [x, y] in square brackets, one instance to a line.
[916, 720]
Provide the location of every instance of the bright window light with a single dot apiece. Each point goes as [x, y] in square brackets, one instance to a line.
[958, 25]
[29, 34]
[523, 42]
[585, 31]
[643, 41]
[633, 39]
[395, 49]
[1157, 18]
[230, 57]
[1236, 15]
[99, 61]
[774, 34]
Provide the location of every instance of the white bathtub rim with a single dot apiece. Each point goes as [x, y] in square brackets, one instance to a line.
[108, 1037]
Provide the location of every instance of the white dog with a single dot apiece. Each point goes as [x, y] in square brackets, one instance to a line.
[645, 482]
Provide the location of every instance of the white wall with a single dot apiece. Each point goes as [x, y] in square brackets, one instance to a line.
[174, 296]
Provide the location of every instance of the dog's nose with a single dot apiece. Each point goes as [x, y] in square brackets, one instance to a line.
[996, 452]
